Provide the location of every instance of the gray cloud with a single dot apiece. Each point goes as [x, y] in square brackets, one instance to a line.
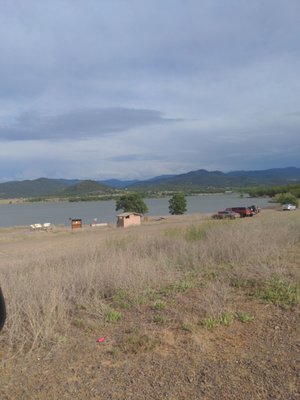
[137, 157]
[79, 124]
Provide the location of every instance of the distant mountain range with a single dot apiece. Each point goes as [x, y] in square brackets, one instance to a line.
[115, 183]
[200, 180]
[205, 180]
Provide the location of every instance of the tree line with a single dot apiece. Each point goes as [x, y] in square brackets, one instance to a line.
[280, 194]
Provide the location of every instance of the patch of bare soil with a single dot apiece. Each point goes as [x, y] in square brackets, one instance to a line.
[144, 357]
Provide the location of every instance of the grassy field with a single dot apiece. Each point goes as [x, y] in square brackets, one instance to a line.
[192, 308]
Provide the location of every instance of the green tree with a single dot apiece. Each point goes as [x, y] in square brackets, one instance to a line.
[177, 204]
[131, 202]
[286, 198]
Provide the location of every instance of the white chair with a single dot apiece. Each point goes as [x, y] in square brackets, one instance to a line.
[47, 225]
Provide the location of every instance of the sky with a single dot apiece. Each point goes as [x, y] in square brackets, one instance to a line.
[132, 89]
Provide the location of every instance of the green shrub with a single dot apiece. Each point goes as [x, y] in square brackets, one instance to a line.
[225, 319]
[279, 292]
[112, 315]
[159, 305]
[211, 323]
[187, 327]
[286, 198]
[244, 317]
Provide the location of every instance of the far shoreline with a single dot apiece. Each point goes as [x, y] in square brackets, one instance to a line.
[38, 199]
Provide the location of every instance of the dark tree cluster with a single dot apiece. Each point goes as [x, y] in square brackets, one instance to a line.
[177, 204]
[131, 202]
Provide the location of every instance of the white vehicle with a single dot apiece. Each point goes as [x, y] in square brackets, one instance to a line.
[288, 207]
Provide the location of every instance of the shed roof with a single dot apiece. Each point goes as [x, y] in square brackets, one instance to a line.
[126, 214]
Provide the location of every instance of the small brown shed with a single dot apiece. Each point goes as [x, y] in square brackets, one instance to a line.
[76, 223]
[128, 219]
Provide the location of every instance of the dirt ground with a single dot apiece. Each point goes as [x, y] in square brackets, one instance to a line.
[145, 357]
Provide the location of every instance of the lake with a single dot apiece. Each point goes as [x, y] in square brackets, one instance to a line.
[59, 213]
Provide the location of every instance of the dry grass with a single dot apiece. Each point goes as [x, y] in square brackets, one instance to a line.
[71, 276]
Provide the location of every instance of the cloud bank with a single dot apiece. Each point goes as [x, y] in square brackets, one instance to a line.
[117, 89]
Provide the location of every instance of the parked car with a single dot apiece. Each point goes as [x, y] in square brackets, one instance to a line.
[242, 211]
[226, 214]
[288, 207]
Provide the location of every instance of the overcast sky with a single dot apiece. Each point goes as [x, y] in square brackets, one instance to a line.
[128, 89]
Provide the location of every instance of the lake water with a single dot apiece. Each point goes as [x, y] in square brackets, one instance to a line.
[59, 213]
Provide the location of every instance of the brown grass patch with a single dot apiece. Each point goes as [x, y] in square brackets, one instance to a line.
[54, 280]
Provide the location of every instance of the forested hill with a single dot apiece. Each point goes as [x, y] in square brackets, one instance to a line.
[207, 180]
[88, 187]
[34, 188]
[43, 187]
[200, 180]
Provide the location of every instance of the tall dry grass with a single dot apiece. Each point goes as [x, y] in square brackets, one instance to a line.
[46, 289]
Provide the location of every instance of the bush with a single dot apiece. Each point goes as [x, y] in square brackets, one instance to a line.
[280, 292]
[286, 198]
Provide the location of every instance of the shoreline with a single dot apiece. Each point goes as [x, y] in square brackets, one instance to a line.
[149, 220]
[31, 200]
